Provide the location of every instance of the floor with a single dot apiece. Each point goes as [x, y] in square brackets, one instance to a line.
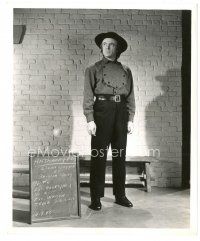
[162, 208]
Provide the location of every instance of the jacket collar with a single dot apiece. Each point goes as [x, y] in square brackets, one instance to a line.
[106, 61]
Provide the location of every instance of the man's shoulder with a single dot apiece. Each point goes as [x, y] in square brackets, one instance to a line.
[126, 68]
[95, 66]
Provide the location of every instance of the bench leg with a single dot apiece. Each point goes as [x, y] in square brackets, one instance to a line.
[148, 181]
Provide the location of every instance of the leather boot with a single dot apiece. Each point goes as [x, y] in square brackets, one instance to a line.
[95, 204]
[123, 201]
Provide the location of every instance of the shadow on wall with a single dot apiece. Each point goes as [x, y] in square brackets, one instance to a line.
[163, 118]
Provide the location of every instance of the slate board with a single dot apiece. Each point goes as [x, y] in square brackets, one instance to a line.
[54, 187]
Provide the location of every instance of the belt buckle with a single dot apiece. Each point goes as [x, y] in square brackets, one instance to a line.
[117, 98]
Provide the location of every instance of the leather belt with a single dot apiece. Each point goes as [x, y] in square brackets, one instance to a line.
[115, 98]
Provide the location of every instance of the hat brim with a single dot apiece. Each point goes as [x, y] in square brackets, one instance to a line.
[122, 44]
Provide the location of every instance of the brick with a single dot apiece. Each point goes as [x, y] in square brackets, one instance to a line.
[53, 10]
[36, 66]
[92, 16]
[52, 87]
[45, 72]
[63, 27]
[21, 87]
[170, 17]
[54, 97]
[76, 16]
[45, 51]
[34, 78]
[45, 118]
[123, 27]
[138, 17]
[37, 97]
[29, 56]
[64, 20]
[96, 26]
[60, 107]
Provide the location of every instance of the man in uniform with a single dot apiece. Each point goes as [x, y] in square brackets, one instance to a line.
[109, 107]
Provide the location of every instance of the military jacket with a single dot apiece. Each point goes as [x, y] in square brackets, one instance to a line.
[108, 77]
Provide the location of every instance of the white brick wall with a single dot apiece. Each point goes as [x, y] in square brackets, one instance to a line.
[49, 73]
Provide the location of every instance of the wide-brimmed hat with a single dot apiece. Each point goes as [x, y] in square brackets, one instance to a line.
[122, 44]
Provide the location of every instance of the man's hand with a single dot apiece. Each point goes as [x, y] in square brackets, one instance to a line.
[91, 127]
[130, 127]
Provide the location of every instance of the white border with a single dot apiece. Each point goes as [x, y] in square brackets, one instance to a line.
[10, 233]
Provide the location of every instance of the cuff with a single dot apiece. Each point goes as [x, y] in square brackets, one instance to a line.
[130, 118]
[90, 117]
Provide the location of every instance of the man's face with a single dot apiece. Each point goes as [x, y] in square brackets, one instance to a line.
[109, 47]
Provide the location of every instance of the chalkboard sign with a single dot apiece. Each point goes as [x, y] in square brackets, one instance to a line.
[54, 187]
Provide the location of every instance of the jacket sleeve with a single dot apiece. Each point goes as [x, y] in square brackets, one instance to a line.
[130, 98]
[88, 94]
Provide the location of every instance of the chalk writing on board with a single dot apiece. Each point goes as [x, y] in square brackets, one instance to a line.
[53, 188]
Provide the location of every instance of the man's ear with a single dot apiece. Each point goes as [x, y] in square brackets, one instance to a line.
[117, 51]
[101, 48]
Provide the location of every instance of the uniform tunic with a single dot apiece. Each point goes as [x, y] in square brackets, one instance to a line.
[104, 78]
[108, 77]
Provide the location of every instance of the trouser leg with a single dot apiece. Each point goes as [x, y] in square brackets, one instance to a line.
[118, 145]
[104, 118]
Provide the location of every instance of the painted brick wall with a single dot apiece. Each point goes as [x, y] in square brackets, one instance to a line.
[49, 73]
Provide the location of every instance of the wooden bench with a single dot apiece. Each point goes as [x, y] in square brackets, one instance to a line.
[142, 162]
